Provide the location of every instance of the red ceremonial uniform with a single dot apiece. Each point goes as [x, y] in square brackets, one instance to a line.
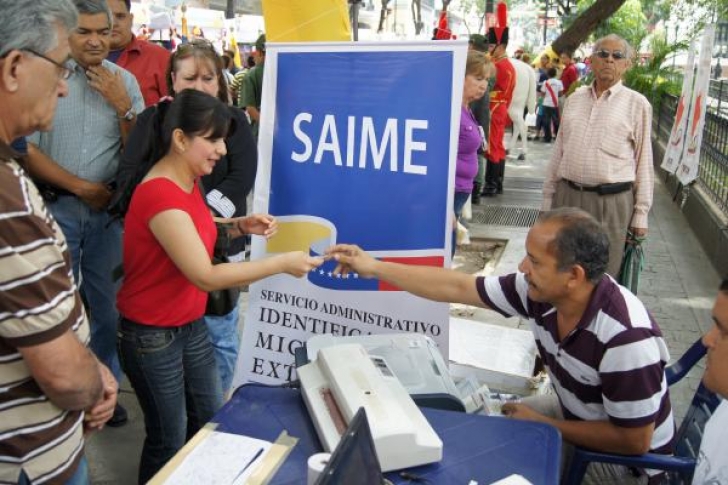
[500, 99]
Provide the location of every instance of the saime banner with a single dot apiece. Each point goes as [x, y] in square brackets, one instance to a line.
[357, 145]
[688, 169]
[676, 144]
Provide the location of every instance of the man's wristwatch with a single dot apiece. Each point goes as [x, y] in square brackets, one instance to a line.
[129, 115]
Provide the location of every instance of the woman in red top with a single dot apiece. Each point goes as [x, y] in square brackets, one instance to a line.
[169, 236]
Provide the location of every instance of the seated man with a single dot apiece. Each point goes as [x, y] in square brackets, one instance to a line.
[712, 464]
[602, 349]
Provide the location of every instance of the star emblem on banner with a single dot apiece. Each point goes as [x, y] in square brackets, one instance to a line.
[330, 274]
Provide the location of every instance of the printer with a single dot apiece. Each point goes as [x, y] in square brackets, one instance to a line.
[344, 378]
[413, 358]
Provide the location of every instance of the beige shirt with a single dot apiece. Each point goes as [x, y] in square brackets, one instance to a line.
[605, 140]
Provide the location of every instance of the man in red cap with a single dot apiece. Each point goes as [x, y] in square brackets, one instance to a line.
[500, 99]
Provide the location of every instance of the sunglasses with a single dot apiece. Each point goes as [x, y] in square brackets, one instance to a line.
[616, 55]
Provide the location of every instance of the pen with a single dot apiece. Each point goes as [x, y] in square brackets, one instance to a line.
[247, 465]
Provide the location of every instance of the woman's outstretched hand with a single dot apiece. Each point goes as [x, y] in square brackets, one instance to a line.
[298, 263]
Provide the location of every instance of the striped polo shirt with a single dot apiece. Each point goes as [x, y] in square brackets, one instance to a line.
[38, 302]
[610, 367]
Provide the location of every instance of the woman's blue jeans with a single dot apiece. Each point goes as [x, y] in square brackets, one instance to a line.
[458, 203]
[174, 375]
[225, 341]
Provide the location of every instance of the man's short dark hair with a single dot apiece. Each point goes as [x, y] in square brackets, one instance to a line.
[94, 7]
[479, 42]
[551, 72]
[128, 5]
[579, 241]
[260, 43]
[724, 285]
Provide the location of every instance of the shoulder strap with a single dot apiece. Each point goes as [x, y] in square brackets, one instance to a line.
[553, 96]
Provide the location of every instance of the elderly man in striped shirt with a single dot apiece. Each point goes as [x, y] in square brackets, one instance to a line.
[602, 349]
[52, 387]
[602, 158]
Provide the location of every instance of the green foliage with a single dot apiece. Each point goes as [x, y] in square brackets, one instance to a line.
[653, 77]
[473, 9]
[629, 22]
[656, 10]
[693, 15]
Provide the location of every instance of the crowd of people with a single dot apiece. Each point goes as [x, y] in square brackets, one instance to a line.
[109, 143]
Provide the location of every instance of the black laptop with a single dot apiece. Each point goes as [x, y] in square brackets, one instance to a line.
[354, 460]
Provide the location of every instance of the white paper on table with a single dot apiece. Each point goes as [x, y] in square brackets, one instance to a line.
[501, 349]
[512, 480]
[219, 459]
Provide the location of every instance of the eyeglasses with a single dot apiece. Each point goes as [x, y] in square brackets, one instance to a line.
[64, 71]
[616, 55]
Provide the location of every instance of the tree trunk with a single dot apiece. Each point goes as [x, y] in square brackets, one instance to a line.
[417, 15]
[383, 16]
[585, 24]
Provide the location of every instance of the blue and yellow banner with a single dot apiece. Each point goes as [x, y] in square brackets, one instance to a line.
[357, 145]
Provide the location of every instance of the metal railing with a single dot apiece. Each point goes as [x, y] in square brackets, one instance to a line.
[718, 96]
[713, 172]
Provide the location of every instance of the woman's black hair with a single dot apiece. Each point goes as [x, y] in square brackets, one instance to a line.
[195, 113]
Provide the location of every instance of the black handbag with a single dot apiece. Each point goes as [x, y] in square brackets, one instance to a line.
[221, 302]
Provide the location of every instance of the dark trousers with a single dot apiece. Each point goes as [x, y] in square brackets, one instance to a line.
[173, 372]
[550, 115]
[613, 212]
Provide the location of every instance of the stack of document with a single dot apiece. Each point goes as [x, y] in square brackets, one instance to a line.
[501, 357]
[220, 458]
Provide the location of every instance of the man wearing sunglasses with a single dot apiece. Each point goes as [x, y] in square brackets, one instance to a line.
[602, 158]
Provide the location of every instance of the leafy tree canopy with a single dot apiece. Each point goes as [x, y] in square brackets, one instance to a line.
[629, 22]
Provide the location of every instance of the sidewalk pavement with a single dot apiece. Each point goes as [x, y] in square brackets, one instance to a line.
[678, 285]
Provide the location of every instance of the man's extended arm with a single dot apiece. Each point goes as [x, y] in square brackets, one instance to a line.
[429, 282]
